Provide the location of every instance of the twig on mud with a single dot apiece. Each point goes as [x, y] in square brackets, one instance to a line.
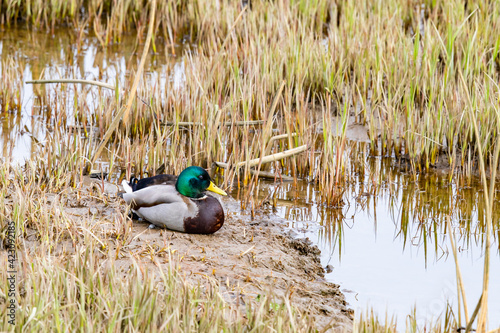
[245, 252]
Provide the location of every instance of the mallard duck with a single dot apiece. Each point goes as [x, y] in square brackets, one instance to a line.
[177, 202]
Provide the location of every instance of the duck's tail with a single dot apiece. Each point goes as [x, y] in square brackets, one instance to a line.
[127, 187]
[130, 187]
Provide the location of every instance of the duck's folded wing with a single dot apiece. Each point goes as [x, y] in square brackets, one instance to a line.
[156, 180]
[152, 195]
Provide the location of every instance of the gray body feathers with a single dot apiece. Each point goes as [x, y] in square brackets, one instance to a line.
[161, 205]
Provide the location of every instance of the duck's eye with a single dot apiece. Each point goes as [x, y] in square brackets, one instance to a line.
[200, 177]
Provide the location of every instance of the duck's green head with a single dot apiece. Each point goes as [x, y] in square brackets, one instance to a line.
[194, 181]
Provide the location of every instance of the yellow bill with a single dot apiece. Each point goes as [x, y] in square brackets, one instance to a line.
[215, 189]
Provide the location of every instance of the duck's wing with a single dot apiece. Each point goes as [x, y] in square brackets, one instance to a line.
[153, 195]
[138, 184]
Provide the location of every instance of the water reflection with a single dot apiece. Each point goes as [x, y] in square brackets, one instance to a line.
[389, 244]
[27, 54]
[418, 206]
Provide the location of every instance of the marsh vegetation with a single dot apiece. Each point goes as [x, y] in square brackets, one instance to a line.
[412, 82]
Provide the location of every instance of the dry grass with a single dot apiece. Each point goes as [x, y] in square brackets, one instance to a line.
[370, 322]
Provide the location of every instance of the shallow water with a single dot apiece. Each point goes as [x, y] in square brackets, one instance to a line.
[65, 56]
[389, 250]
[388, 244]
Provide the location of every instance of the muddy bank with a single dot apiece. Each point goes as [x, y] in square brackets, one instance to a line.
[244, 259]
[249, 258]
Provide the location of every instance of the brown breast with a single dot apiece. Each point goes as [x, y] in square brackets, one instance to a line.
[210, 217]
